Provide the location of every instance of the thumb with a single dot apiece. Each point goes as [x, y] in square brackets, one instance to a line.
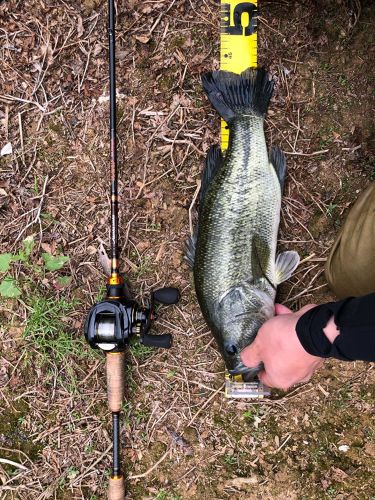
[280, 309]
[250, 356]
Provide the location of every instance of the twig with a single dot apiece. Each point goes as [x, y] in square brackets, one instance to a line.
[15, 464]
[90, 467]
[38, 210]
[315, 153]
[184, 141]
[21, 137]
[19, 99]
[80, 83]
[283, 444]
[205, 404]
[148, 471]
[163, 13]
[192, 206]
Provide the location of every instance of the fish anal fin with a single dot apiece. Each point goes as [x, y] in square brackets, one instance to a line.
[286, 263]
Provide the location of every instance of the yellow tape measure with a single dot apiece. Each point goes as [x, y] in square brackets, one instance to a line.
[238, 42]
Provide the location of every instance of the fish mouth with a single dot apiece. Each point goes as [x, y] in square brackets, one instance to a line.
[248, 374]
[240, 369]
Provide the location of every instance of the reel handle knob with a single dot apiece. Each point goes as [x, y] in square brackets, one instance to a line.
[163, 341]
[167, 295]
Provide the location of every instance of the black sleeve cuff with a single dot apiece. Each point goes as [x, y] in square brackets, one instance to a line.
[310, 333]
[354, 317]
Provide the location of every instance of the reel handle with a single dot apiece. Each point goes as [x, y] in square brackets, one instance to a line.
[167, 295]
[162, 341]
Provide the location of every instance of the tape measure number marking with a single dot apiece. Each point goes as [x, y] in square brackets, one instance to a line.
[238, 42]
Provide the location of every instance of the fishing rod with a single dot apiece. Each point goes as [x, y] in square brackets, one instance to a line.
[111, 323]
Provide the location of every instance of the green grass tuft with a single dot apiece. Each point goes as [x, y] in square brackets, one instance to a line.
[48, 333]
[140, 351]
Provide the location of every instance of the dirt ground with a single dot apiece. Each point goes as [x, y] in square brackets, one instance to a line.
[181, 438]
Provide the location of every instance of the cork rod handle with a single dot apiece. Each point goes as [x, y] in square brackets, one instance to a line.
[116, 490]
[115, 379]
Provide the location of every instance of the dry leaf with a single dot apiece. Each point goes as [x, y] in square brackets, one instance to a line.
[104, 260]
[338, 474]
[142, 38]
[80, 28]
[241, 482]
[180, 441]
[97, 49]
[370, 449]
[91, 250]
[160, 253]
[46, 247]
[47, 50]
[7, 149]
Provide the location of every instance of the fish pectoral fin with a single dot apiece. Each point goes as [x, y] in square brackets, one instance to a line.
[190, 247]
[260, 259]
[214, 159]
[277, 159]
[286, 263]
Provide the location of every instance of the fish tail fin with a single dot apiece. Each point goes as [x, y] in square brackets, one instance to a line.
[235, 95]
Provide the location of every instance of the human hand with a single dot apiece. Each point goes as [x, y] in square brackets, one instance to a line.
[285, 361]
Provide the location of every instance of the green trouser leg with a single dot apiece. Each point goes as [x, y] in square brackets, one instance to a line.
[350, 268]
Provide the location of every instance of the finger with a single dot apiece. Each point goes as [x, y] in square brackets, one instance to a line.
[265, 379]
[250, 356]
[306, 308]
[269, 381]
[280, 309]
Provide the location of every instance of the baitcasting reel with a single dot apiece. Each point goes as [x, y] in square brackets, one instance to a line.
[111, 323]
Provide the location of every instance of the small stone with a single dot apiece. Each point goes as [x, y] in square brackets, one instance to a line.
[370, 449]
[344, 448]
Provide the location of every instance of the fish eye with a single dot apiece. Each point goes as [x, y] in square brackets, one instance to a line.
[231, 349]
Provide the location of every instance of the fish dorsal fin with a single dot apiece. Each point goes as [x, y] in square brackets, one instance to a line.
[286, 263]
[213, 162]
[277, 159]
[190, 246]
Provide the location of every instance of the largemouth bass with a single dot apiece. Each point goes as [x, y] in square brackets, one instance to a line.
[233, 253]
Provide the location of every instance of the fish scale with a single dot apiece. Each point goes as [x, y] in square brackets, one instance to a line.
[236, 206]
